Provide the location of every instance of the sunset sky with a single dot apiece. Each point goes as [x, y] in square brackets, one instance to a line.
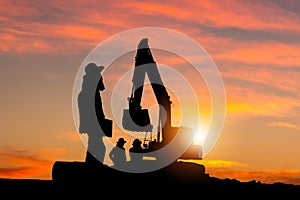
[254, 44]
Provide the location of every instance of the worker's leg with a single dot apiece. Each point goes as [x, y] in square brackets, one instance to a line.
[95, 150]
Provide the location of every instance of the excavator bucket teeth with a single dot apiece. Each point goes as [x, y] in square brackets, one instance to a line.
[136, 120]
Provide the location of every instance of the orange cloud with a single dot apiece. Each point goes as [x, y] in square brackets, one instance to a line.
[284, 125]
[235, 170]
[22, 163]
[264, 176]
[260, 109]
[216, 163]
[255, 104]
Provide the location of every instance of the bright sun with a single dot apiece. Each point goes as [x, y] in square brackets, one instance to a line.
[200, 137]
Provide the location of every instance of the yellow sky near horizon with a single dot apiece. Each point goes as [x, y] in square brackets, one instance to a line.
[255, 45]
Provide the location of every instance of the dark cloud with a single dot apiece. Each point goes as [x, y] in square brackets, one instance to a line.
[287, 5]
[246, 35]
[15, 153]
[36, 11]
[295, 69]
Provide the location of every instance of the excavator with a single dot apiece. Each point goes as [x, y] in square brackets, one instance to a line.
[137, 119]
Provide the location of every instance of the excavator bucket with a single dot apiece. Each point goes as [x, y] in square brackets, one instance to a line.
[136, 120]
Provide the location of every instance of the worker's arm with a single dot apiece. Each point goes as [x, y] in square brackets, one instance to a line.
[100, 85]
[111, 154]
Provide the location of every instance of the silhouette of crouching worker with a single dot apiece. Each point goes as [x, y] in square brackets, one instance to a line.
[118, 155]
[91, 112]
[136, 153]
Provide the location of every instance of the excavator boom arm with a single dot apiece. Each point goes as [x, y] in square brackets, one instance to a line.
[145, 64]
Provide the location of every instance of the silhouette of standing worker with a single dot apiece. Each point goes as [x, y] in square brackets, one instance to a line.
[91, 112]
[118, 155]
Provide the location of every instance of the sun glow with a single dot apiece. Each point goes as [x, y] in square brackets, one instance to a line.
[200, 136]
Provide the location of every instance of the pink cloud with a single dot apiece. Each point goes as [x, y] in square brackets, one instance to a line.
[235, 13]
[56, 26]
[260, 53]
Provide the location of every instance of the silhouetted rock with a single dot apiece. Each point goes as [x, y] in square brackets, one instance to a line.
[180, 179]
